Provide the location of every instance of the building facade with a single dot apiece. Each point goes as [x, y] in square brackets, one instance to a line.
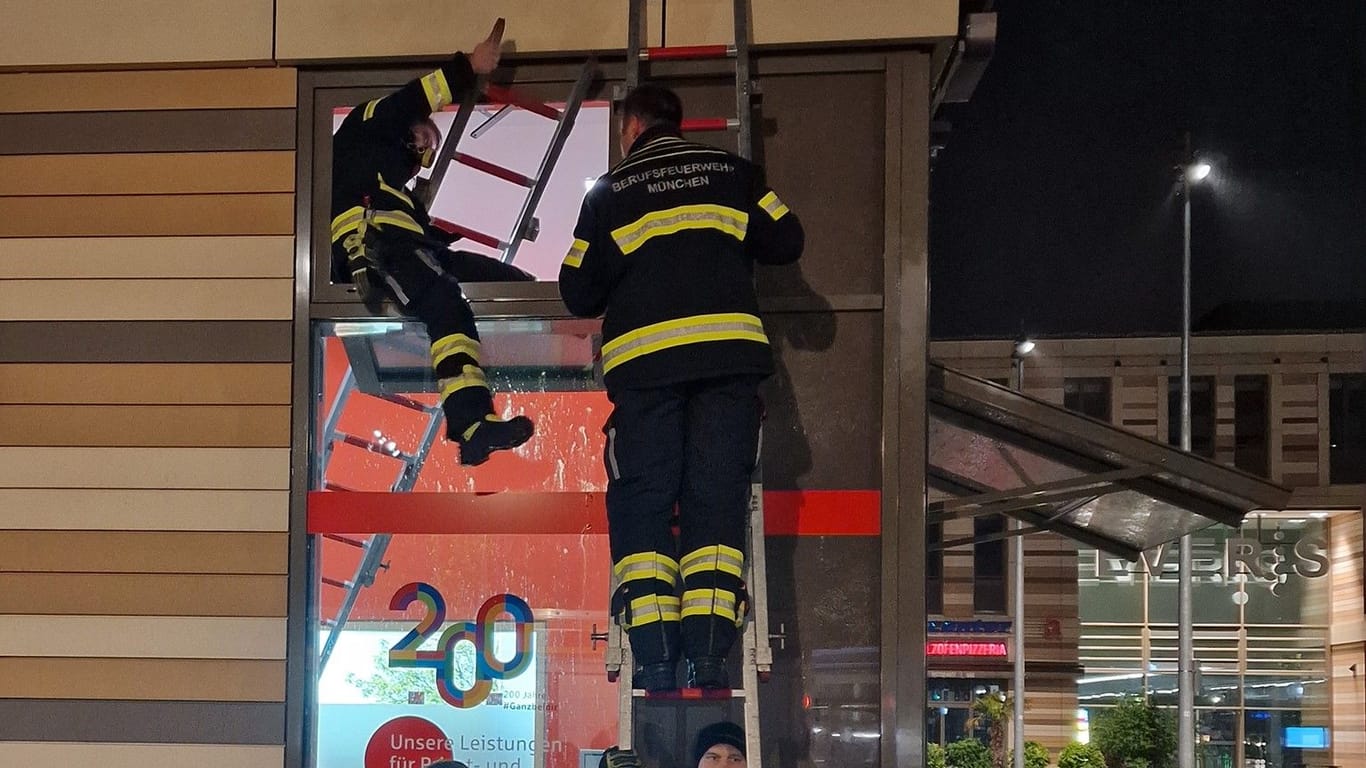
[1278, 603]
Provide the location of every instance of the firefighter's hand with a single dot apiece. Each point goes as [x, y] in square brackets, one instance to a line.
[620, 758]
[484, 58]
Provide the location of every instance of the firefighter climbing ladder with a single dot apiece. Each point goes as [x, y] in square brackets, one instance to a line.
[373, 549]
[757, 659]
[526, 227]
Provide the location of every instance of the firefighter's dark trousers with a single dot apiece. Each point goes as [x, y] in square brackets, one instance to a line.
[424, 280]
[693, 445]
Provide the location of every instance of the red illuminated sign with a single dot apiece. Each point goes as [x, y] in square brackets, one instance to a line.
[965, 649]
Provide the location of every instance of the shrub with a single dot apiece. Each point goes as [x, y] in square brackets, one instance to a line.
[967, 753]
[1078, 755]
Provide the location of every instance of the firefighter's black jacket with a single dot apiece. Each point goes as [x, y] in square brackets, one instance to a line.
[372, 158]
[665, 247]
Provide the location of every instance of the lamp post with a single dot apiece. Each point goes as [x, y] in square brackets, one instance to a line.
[1023, 347]
[1192, 173]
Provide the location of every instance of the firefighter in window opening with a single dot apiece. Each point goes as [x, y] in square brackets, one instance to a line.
[384, 243]
[664, 248]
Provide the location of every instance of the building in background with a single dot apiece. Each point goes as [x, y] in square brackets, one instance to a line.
[1280, 628]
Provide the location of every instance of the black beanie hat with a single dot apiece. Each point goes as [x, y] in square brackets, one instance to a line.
[723, 732]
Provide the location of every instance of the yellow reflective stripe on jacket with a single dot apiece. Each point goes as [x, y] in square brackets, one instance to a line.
[454, 344]
[673, 220]
[647, 565]
[437, 90]
[576, 251]
[370, 109]
[773, 206]
[711, 602]
[397, 219]
[469, 377]
[717, 557]
[347, 222]
[400, 194]
[730, 326]
[351, 220]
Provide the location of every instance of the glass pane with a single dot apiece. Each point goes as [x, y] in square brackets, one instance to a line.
[1347, 428]
[1251, 420]
[526, 530]
[468, 639]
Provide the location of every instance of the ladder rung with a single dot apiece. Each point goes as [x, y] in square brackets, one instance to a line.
[681, 52]
[506, 174]
[690, 694]
[347, 540]
[710, 124]
[406, 402]
[469, 234]
[328, 485]
[509, 96]
[372, 446]
[336, 583]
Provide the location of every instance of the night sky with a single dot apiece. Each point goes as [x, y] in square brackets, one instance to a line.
[1052, 206]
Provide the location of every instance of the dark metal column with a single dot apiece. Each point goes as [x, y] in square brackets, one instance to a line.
[905, 348]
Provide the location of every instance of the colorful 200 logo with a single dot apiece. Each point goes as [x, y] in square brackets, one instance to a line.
[480, 632]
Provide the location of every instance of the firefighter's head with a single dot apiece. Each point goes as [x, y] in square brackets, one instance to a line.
[646, 107]
[423, 139]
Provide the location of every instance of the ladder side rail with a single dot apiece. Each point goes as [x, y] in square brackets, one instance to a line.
[452, 140]
[744, 96]
[548, 161]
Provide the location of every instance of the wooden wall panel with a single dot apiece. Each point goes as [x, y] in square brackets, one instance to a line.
[143, 552]
[168, 89]
[207, 468]
[262, 299]
[142, 679]
[140, 755]
[146, 257]
[145, 383]
[137, 594]
[102, 509]
[162, 637]
[146, 347]
[153, 426]
[209, 214]
[165, 173]
[74, 33]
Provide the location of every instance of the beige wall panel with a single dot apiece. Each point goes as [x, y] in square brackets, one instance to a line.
[161, 257]
[111, 594]
[146, 383]
[325, 29]
[207, 468]
[143, 679]
[229, 299]
[147, 173]
[143, 552]
[142, 510]
[262, 87]
[20, 753]
[210, 214]
[797, 21]
[156, 637]
[48, 33]
[189, 426]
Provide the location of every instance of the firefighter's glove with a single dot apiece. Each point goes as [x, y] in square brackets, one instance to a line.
[620, 758]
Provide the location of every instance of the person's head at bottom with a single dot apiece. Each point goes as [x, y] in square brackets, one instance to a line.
[720, 745]
[448, 764]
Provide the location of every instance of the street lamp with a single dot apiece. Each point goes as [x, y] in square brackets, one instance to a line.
[1193, 173]
[1023, 347]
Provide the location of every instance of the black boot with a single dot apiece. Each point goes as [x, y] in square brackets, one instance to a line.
[656, 678]
[708, 672]
[481, 439]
